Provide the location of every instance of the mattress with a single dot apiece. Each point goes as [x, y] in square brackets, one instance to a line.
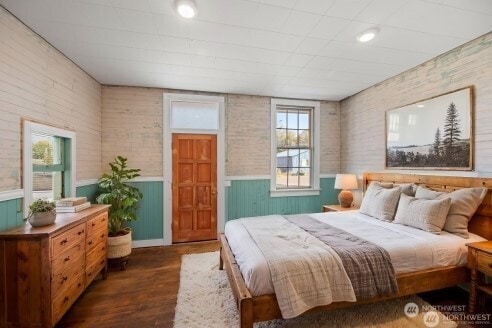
[410, 249]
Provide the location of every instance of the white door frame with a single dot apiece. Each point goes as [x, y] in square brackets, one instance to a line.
[168, 164]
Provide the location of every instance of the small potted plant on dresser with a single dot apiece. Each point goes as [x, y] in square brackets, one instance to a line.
[41, 213]
[124, 200]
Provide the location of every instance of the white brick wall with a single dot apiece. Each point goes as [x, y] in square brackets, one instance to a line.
[40, 84]
[363, 115]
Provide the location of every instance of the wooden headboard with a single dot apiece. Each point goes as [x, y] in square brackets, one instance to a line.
[481, 222]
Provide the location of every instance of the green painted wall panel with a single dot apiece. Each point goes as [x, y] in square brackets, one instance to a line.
[11, 214]
[243, 198]
[252, 198]
[150, 222]
[89, 191]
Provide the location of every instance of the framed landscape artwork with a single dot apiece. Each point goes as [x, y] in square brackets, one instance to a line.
[434, 134]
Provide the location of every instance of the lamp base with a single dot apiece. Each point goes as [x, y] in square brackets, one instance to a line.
[345, 198]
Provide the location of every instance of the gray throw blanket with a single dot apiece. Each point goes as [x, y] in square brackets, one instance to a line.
[367, 265]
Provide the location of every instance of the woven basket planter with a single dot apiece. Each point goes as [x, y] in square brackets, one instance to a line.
[120, 246]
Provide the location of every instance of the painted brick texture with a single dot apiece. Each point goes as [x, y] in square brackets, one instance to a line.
[363, 115]
[38, 83]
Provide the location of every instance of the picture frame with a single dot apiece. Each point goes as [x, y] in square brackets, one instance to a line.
[432, 134]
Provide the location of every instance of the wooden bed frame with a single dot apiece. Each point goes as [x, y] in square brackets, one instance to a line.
[265, 307]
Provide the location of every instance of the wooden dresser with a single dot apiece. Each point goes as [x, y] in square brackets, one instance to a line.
[43, 270]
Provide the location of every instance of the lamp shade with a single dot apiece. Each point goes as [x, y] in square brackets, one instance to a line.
[346, 181]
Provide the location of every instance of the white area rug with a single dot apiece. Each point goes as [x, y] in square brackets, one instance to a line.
[205, 300]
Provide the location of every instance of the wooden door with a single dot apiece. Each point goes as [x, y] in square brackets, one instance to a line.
[194, 187]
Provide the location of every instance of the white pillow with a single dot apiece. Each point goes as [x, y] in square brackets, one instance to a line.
[426, 214]
[464, 203]
[380, 202]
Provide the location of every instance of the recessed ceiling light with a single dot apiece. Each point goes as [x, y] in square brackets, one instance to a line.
[367, 35]
[420, 105]
[186, 8]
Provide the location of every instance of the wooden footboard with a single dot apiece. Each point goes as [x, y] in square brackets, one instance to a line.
[244, 300]
[265, 307]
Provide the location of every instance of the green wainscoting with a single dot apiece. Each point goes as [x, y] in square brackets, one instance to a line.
[150, 222]
[252, 198]
[89, 191]
[11, 214]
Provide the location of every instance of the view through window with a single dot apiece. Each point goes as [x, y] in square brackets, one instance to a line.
[47, 166]
[294, 147]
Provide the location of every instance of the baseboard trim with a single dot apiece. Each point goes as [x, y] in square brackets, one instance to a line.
[147, 243]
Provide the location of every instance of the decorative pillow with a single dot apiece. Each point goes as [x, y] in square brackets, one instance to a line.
[427, 193]
[464, 203]
[426, 214]
[380, 202]
[408, 189]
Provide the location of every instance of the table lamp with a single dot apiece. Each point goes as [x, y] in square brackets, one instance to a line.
[345, 182]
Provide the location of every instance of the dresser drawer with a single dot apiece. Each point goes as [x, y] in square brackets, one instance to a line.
[97, 237]
[96, 253]
[65, 260]
[484, 263]
[64, 300]
[67, 240]
[61, 279]
[96, 223]
[93, 269]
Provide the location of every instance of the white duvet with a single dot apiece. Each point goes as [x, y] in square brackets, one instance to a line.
[410, 249]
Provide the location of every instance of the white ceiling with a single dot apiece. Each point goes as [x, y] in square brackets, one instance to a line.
[284, 48]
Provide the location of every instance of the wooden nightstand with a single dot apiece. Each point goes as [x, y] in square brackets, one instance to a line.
[338, 208]
[480, 264]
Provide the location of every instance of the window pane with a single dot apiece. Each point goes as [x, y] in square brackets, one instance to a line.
[46, 149]
[281, 119]
[194, 115]
[304, 120]
[291, 138]
[281, 138]
[305, 178]
[47, 185]
[304, 138]
[292, 120]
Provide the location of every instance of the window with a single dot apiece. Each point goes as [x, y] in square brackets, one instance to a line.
[49, 163]
[295, 147]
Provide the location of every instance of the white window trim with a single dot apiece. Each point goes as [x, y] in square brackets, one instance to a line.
[29, 128]
[167, 158]
[315, 190]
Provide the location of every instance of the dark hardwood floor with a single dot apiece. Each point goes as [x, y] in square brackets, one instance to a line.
[144, 295]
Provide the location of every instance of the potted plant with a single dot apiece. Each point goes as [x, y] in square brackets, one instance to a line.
[41, 212]
[123, 198]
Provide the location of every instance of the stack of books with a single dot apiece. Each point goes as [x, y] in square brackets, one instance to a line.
[72, 205]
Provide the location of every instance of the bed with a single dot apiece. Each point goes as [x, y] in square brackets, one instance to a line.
[256, 306]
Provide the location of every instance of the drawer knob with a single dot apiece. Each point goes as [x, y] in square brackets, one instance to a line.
[64, 241]
[490, 265]
[67, 258]
[80, 232]
[93, 224]
[65, 299]
[103, 235]
[89, 274]
[90, 243]
[64, 278]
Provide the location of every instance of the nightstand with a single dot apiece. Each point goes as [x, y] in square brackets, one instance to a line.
[480, 264]
[338, 208]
